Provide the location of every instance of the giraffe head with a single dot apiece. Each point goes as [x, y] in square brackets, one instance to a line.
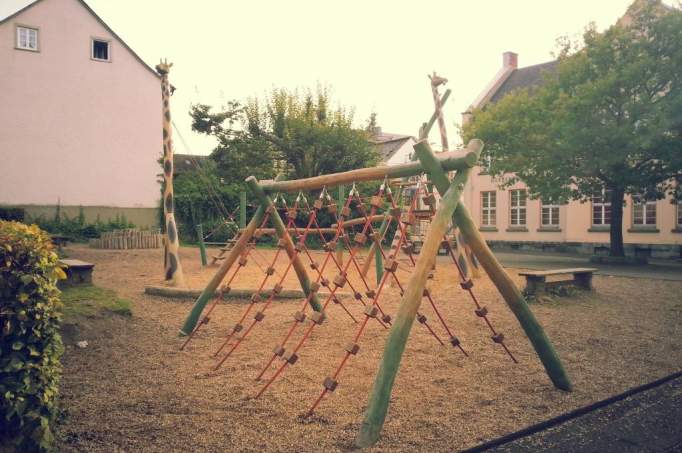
[437, 80]
[163, 67]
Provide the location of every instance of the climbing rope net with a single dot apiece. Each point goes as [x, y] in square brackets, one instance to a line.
[397, 212]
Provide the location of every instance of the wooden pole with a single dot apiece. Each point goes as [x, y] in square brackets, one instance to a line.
[202, 246]
[242, 210]
[505, 285]
[452, 160]
[373, 248]
[361, 221]
[339, 244]
[273, 231]
[279, 225]
[409, 304]
[235, 252]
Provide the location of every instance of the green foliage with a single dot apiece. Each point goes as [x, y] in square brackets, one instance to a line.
[30, 345]
[289, 132]
[78, 229]
[298, 135]
[201, 198]
[610, 118]
[90, 301]
[16, 214]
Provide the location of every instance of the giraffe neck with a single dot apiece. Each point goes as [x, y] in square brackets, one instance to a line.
[173, 269]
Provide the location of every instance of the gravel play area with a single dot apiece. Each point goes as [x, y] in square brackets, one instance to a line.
[132, 389]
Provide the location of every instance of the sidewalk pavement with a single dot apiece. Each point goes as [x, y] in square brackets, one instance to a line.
[656, 269]
[645, 421]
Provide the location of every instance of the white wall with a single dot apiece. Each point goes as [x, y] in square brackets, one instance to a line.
[83, 131]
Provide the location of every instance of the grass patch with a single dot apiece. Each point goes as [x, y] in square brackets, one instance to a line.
[92, 301]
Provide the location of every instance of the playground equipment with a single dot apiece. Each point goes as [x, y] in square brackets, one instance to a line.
[446, 215]
[171, 257]
[449, 211]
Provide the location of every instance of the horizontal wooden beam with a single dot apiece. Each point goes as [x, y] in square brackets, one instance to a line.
[272, 231]
[451, 160]
[234, 293]
[361, 220]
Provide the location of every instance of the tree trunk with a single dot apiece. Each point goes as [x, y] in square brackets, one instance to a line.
[616, 231]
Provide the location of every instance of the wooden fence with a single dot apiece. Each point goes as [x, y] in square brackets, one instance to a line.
[130, 238]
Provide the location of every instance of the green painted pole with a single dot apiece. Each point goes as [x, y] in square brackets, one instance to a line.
[411, 300]
[242, 210]
[202, 246]
[510, 292]
[207, 293]
[378, 257]
[276, 220]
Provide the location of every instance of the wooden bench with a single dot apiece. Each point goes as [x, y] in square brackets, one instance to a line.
[536, 281]
[77, 272]
[60, 241]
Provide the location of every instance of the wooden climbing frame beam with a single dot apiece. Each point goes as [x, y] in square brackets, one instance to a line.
[409, 305]
[235, 252]
[510, 292]
[453, 160]
[277, 222]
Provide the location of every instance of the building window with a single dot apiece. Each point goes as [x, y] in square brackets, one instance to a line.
[517, 208]
[27, 38]
[643, 212]
[100, 50]
[601, 208]
[550, 215]
[488, 208]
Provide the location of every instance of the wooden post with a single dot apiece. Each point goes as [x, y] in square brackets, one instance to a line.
[373, 248]
[339, 244]
[172, 266]
[242, 210]
[207, 293]
[409, 304]
[202, 246]
[283, 234]
[505, 285]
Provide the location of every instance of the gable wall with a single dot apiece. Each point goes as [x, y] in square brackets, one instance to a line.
[83, 131]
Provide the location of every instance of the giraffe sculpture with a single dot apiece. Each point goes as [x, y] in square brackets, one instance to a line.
[173, 269]
[437, 81]
[464, 253]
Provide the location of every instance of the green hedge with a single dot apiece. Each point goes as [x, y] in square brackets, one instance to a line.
[7, 213]
[30, 345]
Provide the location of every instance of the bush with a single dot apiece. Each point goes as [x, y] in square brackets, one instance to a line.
[77, 229]
[17, 214]
[30, 344]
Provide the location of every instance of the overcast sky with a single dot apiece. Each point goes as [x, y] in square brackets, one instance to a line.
[374, 54]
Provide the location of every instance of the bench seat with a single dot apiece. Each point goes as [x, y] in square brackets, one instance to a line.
[536, 281]
[77, 272]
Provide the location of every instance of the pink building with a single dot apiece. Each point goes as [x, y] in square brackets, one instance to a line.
[80, 121]
[509, 219]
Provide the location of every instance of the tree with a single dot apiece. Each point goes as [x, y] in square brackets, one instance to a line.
[296, 134]
[609, 119]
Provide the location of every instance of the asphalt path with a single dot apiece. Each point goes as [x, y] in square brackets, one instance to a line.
[656, 269]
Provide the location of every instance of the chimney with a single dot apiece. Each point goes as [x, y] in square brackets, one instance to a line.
[510, 60]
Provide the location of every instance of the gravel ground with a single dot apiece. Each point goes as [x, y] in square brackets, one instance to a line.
[132, 389]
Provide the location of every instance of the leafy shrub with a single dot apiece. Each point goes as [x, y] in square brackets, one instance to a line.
[78, 229]
[17, 214]
[30, 344]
